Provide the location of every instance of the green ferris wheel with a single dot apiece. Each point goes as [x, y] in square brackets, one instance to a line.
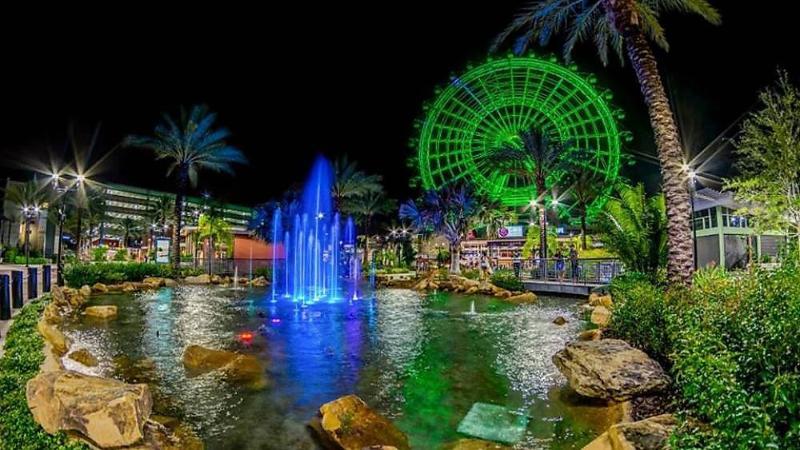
[485, 110]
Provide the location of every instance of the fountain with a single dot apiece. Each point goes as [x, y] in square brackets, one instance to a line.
[235, 277]
[314, 251]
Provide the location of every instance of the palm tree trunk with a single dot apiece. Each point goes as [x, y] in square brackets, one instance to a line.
[455, 258]
[670, 155]
[583, 228]
[183, 177]
[78, 236]
[540, 189]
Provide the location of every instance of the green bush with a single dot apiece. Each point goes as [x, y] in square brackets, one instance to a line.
[31, 260]
[77, 275]
[99, 253]
[21, 361]
[265, 272]
[507, 280]
[121, 255]
[472, 274]
[732, 344]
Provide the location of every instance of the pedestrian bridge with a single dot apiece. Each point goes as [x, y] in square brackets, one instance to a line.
[562, 276]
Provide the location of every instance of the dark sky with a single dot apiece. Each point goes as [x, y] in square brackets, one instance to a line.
[294, 81]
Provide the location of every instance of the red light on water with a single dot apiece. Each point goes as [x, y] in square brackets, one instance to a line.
[246, 337]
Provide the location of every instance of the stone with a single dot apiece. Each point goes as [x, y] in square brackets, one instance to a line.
[84, 357]
[235, 367]
[494, 423]
[56, 338]
[600, 316]
[108, 412]
[101, 312]
[527, 297]
[259, 282]
[347, 423]
[591, 335]
[474, 444]
[199, 279]
[171, 436]
[128, 287]
[85, 290]
[560, 320]
[99, 288]
[51, 314]
[610, 369]
[648, 434]
[154, 281]
[472, 290]
[596, 299]
[169, 282]
[215, 279]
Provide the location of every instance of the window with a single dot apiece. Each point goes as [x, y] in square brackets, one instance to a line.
[730, 219]
[705, 219]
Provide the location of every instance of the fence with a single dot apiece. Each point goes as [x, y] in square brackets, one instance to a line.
[582, 271]
[228, 266]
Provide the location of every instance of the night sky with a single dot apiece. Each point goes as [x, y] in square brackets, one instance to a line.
[295, 81]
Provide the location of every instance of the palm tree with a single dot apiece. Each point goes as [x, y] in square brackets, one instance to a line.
[190, 143]
[634, 227]
[585, 186]
[351, 183]
[130, 227]
[212, 227]
[540, 159]
[448, 211]
[630, 25]
[492, 215]
[95, 214]
[30, 198]
[366, 207]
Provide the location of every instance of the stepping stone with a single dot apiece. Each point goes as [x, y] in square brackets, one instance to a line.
[493, 423]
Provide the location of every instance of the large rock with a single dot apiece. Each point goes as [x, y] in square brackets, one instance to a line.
[85, 290]
[68, 299]
[259, 282]
[591, 335]
[128, 287]
[101, 312]
[649, 434]
[153, 282]
[169, 282]
[474, 444]
[600, 316]
[99, 288]
[596, 299]
[527, 297]
[199, 279]
[84, 357]
[609, 369]
[560, 320]
[52, 314]
[347, 423]
[108, 412]
[56, 338]
[233, 366]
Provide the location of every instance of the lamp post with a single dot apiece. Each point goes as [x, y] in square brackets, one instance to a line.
[29, 213]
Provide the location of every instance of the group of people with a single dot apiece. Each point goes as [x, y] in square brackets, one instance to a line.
[566, 264]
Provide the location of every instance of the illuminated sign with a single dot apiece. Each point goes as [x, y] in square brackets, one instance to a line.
[162, 251]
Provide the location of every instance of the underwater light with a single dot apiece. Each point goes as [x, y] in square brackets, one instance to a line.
[246, 337]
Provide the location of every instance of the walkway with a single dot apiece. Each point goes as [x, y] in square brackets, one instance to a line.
[552, 276]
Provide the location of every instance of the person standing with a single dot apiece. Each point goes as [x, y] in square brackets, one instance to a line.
[573, 261]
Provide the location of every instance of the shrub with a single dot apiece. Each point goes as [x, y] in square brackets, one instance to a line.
[472, 274]
[77, 275]
[507, 280]
[30, 260]
[121, 255]
[21, 361]
[99, 253]
[733, 349]
[265, 272]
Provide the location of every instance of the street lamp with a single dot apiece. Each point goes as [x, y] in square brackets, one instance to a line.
[29, 213]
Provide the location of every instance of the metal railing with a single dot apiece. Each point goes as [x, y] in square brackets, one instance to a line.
[581, 271]
[228, 266]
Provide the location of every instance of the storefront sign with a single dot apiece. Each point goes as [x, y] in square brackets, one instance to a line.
[162, 251]
[511, 231]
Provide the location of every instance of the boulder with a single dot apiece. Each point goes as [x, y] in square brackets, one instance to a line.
[51, 314]
[596, 299]
[591, 335]
[421, 285]
[99, 288]
[154, 281]
[200, 279]
[610, 369]
[108, 412]
[600, 316]
[471, 290]
[85, 290]
[169, 282]
[168, 436]
[215, 279]
[84, 357]
[101, 312]
[527, 297]
[235, 367]
[347, 423]
[259, 282]
[474, 444]
[56, 338]
[648, 434]
[560, 320]
[128, 287]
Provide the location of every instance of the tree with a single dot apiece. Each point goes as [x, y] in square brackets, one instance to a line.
[130, 228]
[542, 160]
[630, 25]
[351, 183]
[491, 215]
[212, 227]
[190, 143]
[366, 207]
[448, 211]
[768, 152]
[95, 214]
[584, 186]
[634, 227]
[29, 198]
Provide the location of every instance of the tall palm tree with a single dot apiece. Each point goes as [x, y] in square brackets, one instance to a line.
[539, 158]
[190, 143]
[365, 208]
[95, 214]
[629, 26]
[130, 228]
[351, 183]
[492, 215]
[584, 185]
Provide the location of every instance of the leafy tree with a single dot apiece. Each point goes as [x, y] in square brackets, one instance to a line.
[491, 215]
[190, 143]
[634, 227]
[768, 152]
[584, 186]
[215, 229]
[629, 26]
[130, 228]
[351, 183]
[366, 208]
[448, 211]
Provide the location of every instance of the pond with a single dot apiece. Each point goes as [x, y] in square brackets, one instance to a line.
[421, 360]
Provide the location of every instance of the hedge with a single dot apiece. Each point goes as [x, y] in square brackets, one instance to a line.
[23, 356]
[77, 275]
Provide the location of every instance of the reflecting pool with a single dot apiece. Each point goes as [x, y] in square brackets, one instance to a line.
[421, 360]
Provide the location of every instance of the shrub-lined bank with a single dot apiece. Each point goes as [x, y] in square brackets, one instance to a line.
[731, 343]
[78, 275]
[23, 356]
